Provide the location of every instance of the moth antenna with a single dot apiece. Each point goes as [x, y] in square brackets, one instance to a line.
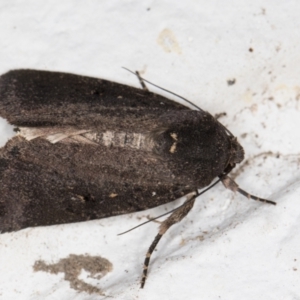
[174, 218]
[233, 186]
[143, 80]
[163, 89]
[173, 210]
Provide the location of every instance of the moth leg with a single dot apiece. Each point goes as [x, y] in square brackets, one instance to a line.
[142, 82]
[174, 218]
[220, 115]
[233, 186]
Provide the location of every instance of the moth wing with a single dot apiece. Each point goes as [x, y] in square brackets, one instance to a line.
[32, 98]
[45, 184]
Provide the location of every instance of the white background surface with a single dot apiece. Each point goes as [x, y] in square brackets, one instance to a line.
[227, 247]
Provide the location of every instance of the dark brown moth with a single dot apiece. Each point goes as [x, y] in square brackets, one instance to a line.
[90, 148]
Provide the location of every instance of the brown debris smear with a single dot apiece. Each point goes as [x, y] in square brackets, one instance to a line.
[72, 266]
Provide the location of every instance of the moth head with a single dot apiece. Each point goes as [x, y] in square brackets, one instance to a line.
[237, 151]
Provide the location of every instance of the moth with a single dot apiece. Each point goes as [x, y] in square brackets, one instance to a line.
[89, 148]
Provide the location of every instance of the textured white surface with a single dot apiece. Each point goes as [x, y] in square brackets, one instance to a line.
[227, 247]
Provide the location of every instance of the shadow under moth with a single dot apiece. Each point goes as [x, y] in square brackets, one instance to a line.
[89, 148]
